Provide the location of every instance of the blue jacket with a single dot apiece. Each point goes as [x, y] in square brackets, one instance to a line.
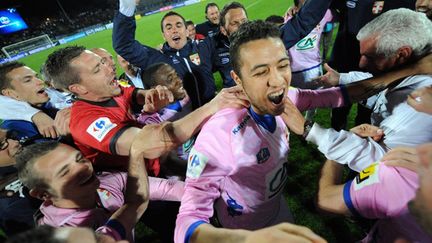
[201, 87]
[214, 51]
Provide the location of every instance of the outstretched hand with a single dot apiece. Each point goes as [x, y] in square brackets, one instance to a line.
[157, 98]
[402, 157]
[368, 130]
[330, 79]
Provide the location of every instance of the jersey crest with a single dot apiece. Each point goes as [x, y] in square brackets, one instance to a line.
[100, 128]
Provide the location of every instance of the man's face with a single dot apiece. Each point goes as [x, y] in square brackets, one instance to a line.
[26, 86]
[106, 57]
[371, 61]
[69, 174]
[167, 76]
[174, 32]
[265, 74]
[213, 14]
[191, 31]
[421, 205]
[233, 19]
[7, 155]
[424, 6]
[98, 81]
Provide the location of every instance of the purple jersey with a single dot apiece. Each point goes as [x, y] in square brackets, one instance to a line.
[383, 192]
[238, 167]
[111, 197]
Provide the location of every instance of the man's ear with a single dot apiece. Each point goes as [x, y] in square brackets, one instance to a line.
[77, 89]
[10, 93]
[236, 78]
[40, 194]
[404, 54]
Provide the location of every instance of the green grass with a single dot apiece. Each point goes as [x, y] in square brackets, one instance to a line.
[305, 160]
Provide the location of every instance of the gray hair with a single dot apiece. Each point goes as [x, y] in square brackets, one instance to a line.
[397, 28]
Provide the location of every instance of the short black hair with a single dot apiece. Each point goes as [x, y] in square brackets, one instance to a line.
[189, 22]
[41, 234]
[25, 160]
[275, 19]
[210, 5]
[149, 75]
[5, 69]
[171, 13]
[58, 67]
[228, 7]
[249, 31]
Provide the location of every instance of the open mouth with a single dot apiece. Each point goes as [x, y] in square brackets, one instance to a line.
[176, 39]
[41, 91]
[276, 97]
[113, 83]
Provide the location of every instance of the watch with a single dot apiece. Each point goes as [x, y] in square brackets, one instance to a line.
[307, 127]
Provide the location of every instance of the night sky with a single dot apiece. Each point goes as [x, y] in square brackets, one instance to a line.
[41, 8]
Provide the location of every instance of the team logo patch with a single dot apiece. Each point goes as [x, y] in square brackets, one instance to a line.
[104, 194]
[225, 60]
[367, 177]
[4, 20]
[351, 4]
[377, 7]
[175, 61]
[263, 155]
[196, 164]
[195, 59]
[100, 128]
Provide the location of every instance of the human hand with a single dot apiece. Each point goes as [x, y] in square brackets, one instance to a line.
[232, 97]
[157, 98]
[61, 122]
[45, 125]
[292, 117]
[405, 157]
[421, 100]
[330, 79]
[284, 232]
[291, 12]
[368, 130]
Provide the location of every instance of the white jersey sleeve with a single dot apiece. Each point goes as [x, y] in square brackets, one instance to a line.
[11, 109]
[345, 147]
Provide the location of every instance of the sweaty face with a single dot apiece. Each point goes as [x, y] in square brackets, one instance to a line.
[265, 74]
[68, 173]
[174, 32]
[167, 76]
[233, 19]
[98, 81]
[213, 14]
[26, 86]
[424, 6]
[370, 60]
[421, 205]
[191, 31]
[7, 155]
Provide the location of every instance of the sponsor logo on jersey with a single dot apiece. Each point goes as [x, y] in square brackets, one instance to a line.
[104, 194]
[241, 125]
[351, 4]
[223, 54]
[4, 20]
[195, 59]
[100, 128]
[225, 60]
[233, 208]
[307, 43]
[123, 83]
[196, 164]
[263, 155]
[276, 180]
[187, 146]
[174, 60]
[377, 7]
[367, 177]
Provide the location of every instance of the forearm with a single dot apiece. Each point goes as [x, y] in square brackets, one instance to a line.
[206, 233]
[330, 192]
[363, 89]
